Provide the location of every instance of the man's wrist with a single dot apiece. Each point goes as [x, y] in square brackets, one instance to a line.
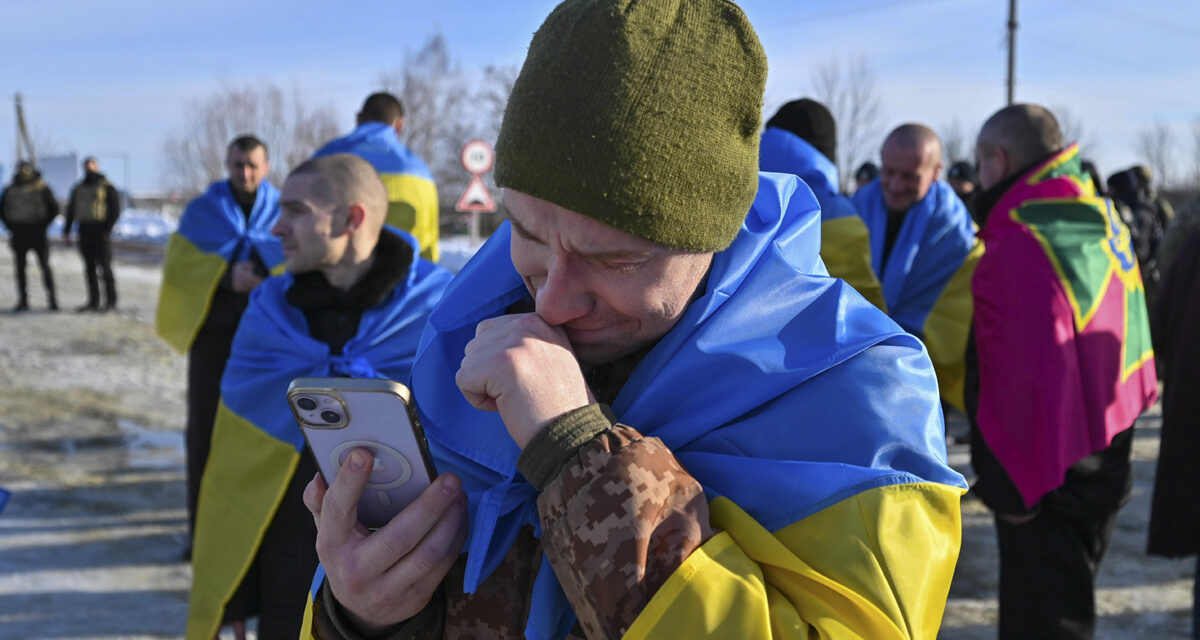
[549, 450]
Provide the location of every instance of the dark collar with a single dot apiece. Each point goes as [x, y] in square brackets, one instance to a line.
[392, 256]
[988, 198]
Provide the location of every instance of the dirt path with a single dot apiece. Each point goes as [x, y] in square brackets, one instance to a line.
[91, 419]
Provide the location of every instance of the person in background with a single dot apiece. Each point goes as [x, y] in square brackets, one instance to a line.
[865, 173]
[353, 303]
[961, 176]
[27, 207]
[222, 250]
[95, 205]
[657, 412]
[801, 139]
[412, 194]
[1059, 367]
[923, 249]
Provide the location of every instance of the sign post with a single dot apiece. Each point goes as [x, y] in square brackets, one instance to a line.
[477, 159]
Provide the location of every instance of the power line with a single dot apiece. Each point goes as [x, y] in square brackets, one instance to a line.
[1122, 15]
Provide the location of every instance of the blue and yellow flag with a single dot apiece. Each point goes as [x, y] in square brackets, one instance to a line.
[412, 194]
[256, 443]
[212, 233]
[810, 418]
[845, 243]
[927, 278]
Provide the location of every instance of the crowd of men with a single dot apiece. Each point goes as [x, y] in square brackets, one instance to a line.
[689, 388]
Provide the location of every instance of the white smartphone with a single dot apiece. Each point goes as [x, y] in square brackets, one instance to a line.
[338, 415]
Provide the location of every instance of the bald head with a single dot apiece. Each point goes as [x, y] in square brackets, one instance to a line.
[910, 162]
[1014, 138]
[340, 180]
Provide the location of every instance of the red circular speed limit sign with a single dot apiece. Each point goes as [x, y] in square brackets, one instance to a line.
[477, 156]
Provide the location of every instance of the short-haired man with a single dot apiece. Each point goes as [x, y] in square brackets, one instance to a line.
[801, 139]
[412, 194]
[923, 249]
[95, 205]
[352, 303]
[641, 272]
[961, 176]
[1064, 366]
[222, 250]
[27, 208]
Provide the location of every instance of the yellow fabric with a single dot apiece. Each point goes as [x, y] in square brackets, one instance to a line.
[947, 327]
[306, 632]
[244, 480]
[876, 565]
[190, 277]
[846, 251]
[413, 207]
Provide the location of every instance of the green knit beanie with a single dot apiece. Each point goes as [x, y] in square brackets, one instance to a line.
[641, 114]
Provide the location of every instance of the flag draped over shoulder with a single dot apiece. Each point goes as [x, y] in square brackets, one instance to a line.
[1059, 305]
[412, 193]
[212, 233]
[845, 243]
[256, 442]
[780, 389]
[927, 278]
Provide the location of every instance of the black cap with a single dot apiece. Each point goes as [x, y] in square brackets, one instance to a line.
[811, 121]
[961, 170]
[866, 172]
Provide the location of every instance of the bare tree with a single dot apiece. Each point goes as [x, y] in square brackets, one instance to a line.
[1073, 130]
[848, 89]
[291, 129]
[1157, 149]
[955, 146]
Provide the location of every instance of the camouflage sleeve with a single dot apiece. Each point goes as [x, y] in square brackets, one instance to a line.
[329, 624]
[619, 516]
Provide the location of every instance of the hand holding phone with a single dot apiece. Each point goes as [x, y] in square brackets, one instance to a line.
[339, 415]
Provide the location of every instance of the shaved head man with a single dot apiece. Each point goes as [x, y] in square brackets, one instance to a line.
[352, 303]
[1050, 444]
[922, 248]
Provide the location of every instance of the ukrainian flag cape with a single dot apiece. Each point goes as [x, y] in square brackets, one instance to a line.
[412, 194]
[927, 280]
[212, 233]
[256, 443]
[1059, 305]
[781, 390]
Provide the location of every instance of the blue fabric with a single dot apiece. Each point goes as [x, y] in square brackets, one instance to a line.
[778, 376]
[214, 223]
[272, 347]
[782, 151]
[378, 144]
[934, 240]
[4, 495]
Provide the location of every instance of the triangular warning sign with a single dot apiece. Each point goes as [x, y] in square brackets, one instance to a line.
[476, 198]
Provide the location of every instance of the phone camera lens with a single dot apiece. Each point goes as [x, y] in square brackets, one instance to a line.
[308, 404]
[331, 416]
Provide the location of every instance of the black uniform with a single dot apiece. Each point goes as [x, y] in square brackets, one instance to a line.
[26, 209]
[96, 206]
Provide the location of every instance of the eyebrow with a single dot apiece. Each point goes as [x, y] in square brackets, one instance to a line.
[595, 255]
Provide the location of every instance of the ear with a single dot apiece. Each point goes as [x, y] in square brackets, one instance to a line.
[358, 119]
[398, 125]
[355, 216]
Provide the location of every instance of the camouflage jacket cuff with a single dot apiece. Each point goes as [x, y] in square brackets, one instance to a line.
[330, 624]
[550, 449]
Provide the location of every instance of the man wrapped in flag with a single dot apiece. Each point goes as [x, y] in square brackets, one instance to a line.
[353, 303]
[412, 194]
[1064, 367]
[222, 250]
[658, 414]
[801, 139]
[923, 249]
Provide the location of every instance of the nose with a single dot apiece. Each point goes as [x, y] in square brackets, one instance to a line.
[279, 228]
[564, 295]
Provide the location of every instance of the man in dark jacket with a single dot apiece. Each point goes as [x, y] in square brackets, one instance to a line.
[26, 208]
[95, 205]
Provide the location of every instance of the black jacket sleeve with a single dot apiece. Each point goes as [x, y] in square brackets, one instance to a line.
[70, 213]
[113, 206]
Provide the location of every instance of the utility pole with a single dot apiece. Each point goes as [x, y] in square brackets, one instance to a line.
[1012, 48]
[23, 134]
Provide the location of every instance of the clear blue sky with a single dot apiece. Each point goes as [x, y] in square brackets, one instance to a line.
[112, 78]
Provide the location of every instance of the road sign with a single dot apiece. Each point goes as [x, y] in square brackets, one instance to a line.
[476, 198]
[477, 156]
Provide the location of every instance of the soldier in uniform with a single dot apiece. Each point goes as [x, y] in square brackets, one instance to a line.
[26, 208]
[95, 205]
